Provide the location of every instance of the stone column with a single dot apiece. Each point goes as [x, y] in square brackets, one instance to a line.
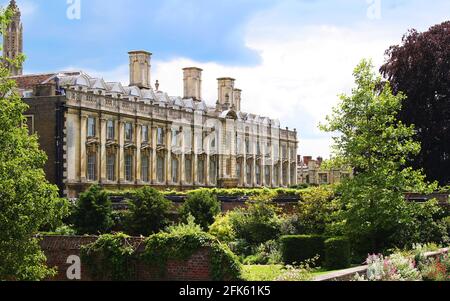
[138, 152]
[169, 155]
[102, 174]
[208, 159]
[194, 158]
[83, 153]
[121, 164]
[181, 164]
[153, 177]
[254, 171]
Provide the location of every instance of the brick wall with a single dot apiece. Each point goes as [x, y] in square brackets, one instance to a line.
[58, 249]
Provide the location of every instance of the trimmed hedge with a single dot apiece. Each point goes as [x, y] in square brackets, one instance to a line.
[296, 249]
[337, 253]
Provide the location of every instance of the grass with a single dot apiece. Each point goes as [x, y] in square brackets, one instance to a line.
[270, 272]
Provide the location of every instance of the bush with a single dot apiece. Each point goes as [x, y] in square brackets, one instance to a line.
[203, 206]
[257, 223]
[109, 257]
[182, 241]
[337, 253]
[299, 248]
[93, 212]
[222, 229]
[267, 253]
[148, 212]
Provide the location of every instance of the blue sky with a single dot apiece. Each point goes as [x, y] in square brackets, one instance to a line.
[291, 57]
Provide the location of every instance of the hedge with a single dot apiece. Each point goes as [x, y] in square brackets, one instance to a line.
[337, 253]
[296, 249]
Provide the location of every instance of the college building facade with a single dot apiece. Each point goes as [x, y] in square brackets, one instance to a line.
[123, 137]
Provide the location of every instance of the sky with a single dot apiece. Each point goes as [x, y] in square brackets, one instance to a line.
[291, 58]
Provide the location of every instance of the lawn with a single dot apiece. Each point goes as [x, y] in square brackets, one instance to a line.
[269, 272]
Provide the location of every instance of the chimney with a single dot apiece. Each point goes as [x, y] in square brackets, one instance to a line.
[307, 159]
[237, 99]
[192, 78]
[226, 93]
[140, 69]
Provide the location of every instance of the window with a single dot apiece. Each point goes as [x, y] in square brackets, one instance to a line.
[323, 178]
[258, 148]
[91, 127]
[128, 131]
[144, 168]
[212, 171]
[283, 152]
[267, 174]
[144, 133]
[228, 167]
[128, 168]
[249, 173]
[111, 167]
[174, 170]
[160, 136]
[188, 170]
[160, 168]
[201, 171]
[258, 174]
[110, 133]
[247, 145]
[175, 138]
[285, 174]
[30, 124]
[276, 175]
[188, 139]
[239, 171]
[92, 166]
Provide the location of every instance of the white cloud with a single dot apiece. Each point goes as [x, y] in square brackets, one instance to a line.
[303, 69]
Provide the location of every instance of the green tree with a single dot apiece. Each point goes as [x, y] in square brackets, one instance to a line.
[377, 145]
[148, 212]
[27, 201]
[203, 206]
[93, 212]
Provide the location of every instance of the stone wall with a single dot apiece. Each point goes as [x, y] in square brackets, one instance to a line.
[62, 250]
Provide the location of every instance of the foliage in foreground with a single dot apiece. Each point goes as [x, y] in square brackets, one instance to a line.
[148, 212]
[182, 241]
[377, 145]
[203, 206]
[27, 201]
[93, 212]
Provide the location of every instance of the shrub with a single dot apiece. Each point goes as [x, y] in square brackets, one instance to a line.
[257, 223]
[109, 257]
[148, 212]
[337, 253]
[203, 206]
[394, 268]
[222, 229]
[299, 248]
[267, 253]
[302, 272]
[93, 212]
[316, 210]
[182, 241]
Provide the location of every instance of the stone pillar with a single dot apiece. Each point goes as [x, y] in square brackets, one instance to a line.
[181, 163]
[194, 158]
[254, 171]
[121, 152]
[169, 156]
[153, 177]
[138, 152]
[102, 174]
[83, 153]
[208, 159]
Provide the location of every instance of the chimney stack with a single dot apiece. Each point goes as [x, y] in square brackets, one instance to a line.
[226, 93]
[192, 78]
[140, 69]
[237, 99]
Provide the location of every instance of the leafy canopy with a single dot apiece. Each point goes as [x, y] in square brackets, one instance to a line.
[377, 145]
[27, 201]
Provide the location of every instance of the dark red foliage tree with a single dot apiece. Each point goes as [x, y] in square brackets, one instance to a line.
[420, 68]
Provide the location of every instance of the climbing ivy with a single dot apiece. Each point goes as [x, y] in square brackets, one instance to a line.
[109, 257]
[162, 247]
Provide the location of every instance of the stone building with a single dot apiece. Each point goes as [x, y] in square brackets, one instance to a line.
[312, 172]
[132, 136]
